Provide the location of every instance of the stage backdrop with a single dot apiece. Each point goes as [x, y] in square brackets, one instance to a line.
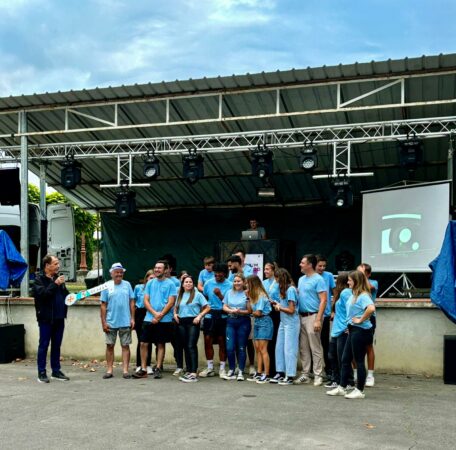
[190, 235]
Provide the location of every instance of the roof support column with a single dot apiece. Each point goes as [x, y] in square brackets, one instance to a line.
[43, 212]
[24, 201]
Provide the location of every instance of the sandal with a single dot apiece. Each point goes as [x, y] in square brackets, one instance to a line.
[127, 376]
[107, 376]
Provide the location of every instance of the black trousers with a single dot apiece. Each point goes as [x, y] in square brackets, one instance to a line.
[325, 329]
[355, 348]
[140, 313]
[187, 340]
[275, 316]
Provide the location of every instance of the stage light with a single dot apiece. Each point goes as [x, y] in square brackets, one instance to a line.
[342, 195]
[151, 168]
[268, 192]
[411, 152]
[193, 166]
[125, 202]
[308, 159]
[262, 162]
[70, 175]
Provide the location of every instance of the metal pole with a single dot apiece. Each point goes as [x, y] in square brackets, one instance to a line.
[24, 200]
[43, 212]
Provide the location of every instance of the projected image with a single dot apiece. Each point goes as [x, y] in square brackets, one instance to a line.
[400, 233]
[403, 228]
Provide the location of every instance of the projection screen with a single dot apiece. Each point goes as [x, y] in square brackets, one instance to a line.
[403, 228]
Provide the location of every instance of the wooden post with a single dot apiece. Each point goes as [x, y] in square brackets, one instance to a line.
[83, 265]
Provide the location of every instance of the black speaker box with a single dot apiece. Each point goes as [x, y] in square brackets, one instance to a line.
[10, 187]
[11, 342]
[449, 359]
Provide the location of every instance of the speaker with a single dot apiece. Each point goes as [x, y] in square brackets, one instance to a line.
[11, 342]
[10, 187]
[449, 359]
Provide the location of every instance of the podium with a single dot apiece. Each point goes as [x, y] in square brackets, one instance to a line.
[283, 252]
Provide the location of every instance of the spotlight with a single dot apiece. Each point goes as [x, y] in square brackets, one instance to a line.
[125, 202]
[70, 175]
[342, 195]
[193, 168]
[411, 152]
[268, 192]
[262, 162]
[151, 168]
[308, 159]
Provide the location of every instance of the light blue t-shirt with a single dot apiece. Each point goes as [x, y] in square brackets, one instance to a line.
[375, 284]
[139, 295]
[159, 292]
[205, 275]
[263, 304]
[330, 285]
[192, 309]
[272, 288]
[176, 281]
[118, 305]
[235, 299]
[208, 290]
[340, 321]
[357, 310]
[247, 270]
[308, 290]
[291, 295]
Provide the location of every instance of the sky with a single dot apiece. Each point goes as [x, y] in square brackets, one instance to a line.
[52, 45]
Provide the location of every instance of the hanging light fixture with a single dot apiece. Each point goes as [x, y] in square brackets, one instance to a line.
[261, 161]
[193, 166]
[70, 174]
[151, 167]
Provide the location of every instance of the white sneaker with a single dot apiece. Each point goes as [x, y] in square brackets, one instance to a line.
[356, 393]
[178, 372]
[138, 369]
[207, 373]
[339, 390]
[222, 373]
[240, 376]
[370, 381]
[252, 370]
[229, 376]
[303, 379]
[318, 381]
[150, 371]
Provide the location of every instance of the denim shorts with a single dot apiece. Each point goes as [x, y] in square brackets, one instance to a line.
[263, 328]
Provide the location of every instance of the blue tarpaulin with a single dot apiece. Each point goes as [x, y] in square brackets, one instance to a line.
[443, 290]
[12, 264]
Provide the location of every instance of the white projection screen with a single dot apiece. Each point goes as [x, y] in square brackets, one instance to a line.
[403, 228]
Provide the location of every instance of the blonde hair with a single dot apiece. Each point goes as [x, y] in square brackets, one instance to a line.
[255, 288]
[360, 284]
[239, 275]
[146, 276]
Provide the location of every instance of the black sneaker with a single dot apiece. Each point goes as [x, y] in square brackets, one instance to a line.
[287, 381]
[42, 377]
[255, 376]
[331, 384]
[59, 376]
[157, 374]
[277, 377]
[141, 373]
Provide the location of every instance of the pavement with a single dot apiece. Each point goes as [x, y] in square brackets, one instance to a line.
[400, 412]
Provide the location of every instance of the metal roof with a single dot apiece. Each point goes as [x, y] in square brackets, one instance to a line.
[160, 114]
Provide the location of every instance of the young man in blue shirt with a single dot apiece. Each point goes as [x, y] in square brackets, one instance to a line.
[117, 318]
[312, 303]
[207, 273]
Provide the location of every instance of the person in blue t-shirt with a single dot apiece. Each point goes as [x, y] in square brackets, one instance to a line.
[373, 284]
[140, 313]
[322, 262]
[312, 304]
[117, 318]
[214, 325]
[260, 307]
[288, 336]
[247, 269]
[191, 306]
[234, 263]
[159, 297]
[207, 273]
[360, 308]
[237, 327]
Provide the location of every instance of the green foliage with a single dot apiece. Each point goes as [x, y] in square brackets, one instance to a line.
[84, 222]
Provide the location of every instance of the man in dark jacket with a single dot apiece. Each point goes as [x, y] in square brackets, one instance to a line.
[49, 292]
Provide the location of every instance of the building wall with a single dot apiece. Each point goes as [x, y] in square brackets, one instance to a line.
[409, 338]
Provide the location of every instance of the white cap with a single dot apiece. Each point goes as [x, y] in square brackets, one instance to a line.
[117, 266]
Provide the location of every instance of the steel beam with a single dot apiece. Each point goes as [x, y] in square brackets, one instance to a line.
[24, 201]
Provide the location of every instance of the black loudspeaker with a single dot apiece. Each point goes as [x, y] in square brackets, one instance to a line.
[10, 187]
[11, 342]
[449, 359]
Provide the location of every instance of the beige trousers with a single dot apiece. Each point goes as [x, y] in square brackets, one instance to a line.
[310, 348]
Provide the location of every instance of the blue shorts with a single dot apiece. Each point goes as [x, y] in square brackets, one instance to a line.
[263, 328]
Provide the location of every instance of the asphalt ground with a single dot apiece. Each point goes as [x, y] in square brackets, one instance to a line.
[400, 412]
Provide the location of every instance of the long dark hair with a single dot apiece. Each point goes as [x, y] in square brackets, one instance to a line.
[182, 291]
[285, 281]
[341, 284]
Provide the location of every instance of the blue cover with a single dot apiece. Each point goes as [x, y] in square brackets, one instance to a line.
[12, 264]
[443, 292]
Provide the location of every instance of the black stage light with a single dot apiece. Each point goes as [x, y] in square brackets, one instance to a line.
[70, 175]
[151, 168]
[308, 159]
[262, 162]
[342, 195]
[411, 153]
[193, 167]
[125, 202]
